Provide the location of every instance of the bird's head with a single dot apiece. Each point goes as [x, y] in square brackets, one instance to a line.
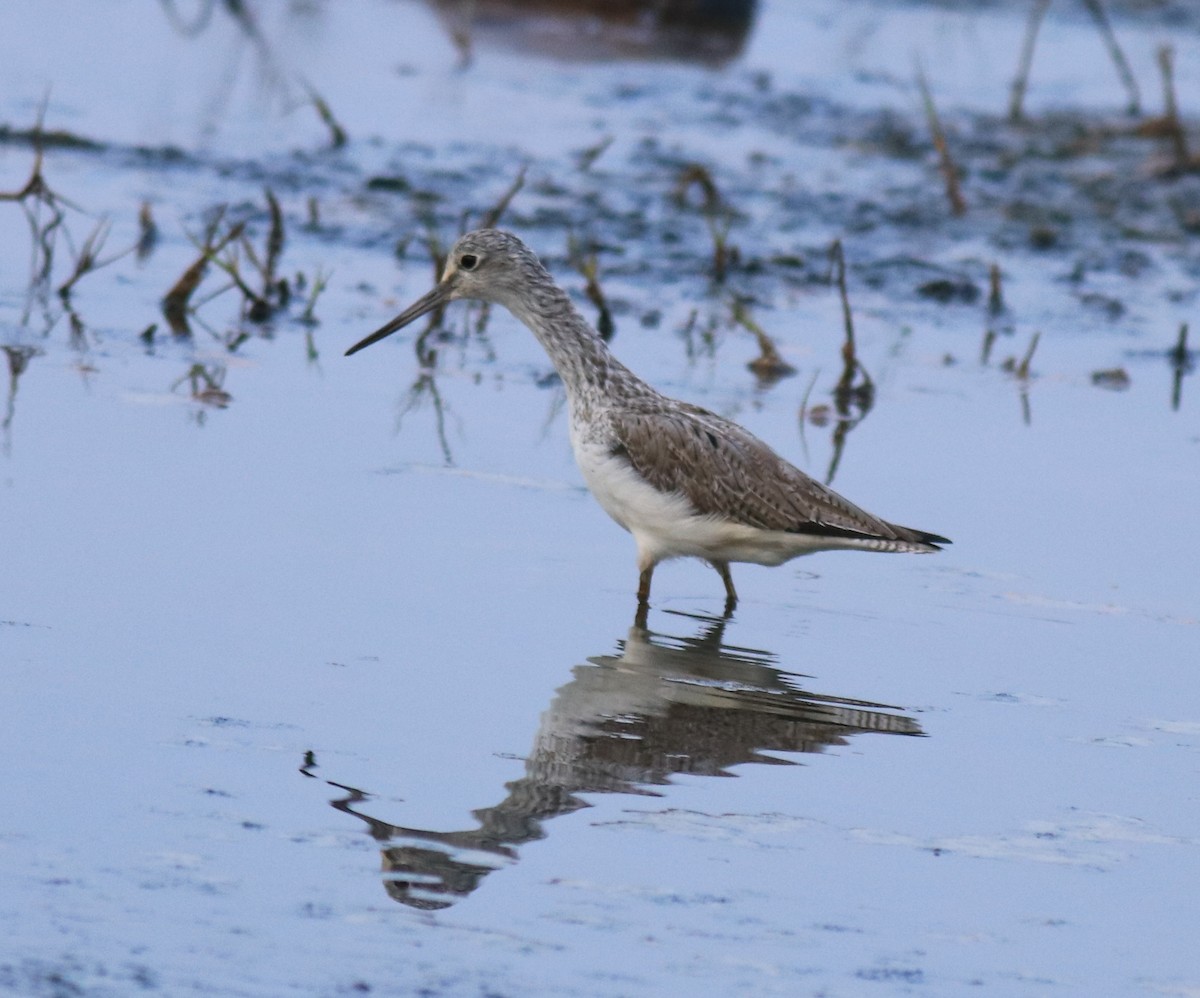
[484, 265]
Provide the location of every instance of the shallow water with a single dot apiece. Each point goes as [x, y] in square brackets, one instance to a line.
[324, 635]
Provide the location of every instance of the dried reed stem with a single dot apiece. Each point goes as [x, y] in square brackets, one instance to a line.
[1174, 126]
[493, 216]
[1021, 80]
[949, 171]
[1096, 9]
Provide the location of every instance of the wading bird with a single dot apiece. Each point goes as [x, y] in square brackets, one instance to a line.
[684, 481]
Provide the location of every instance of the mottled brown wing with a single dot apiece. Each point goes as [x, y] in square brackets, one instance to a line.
[726, 471]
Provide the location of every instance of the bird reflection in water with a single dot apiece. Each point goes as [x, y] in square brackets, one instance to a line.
[708, 32]
[625, 723]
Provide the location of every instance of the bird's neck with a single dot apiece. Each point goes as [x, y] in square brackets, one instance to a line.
[581, 358]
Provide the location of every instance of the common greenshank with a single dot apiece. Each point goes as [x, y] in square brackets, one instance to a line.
[684, 481]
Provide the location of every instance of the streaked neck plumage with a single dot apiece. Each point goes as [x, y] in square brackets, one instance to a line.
[590, 373]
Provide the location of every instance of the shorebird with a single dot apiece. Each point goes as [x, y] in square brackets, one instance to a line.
[683, 481]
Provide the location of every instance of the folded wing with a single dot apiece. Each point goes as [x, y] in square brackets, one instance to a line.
[727, 472]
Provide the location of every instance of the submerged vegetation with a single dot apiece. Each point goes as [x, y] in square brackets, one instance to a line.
[962, 293]
[1093, 192]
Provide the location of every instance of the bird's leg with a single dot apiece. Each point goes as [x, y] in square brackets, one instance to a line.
[644, 585]
[640, 619]
[731, 596]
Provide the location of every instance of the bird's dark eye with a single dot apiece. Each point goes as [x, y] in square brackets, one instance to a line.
[467, 261]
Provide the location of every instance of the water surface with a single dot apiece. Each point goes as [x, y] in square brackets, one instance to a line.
[323, 676]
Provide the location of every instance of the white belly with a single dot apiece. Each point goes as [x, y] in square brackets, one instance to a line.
[665, 526]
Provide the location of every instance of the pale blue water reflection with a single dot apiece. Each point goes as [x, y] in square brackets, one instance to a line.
[193, 597]
[625, 723]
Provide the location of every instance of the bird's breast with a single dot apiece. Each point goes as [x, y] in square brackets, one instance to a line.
[627, 497]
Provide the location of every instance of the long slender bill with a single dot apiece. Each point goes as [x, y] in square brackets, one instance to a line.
[435, 299]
